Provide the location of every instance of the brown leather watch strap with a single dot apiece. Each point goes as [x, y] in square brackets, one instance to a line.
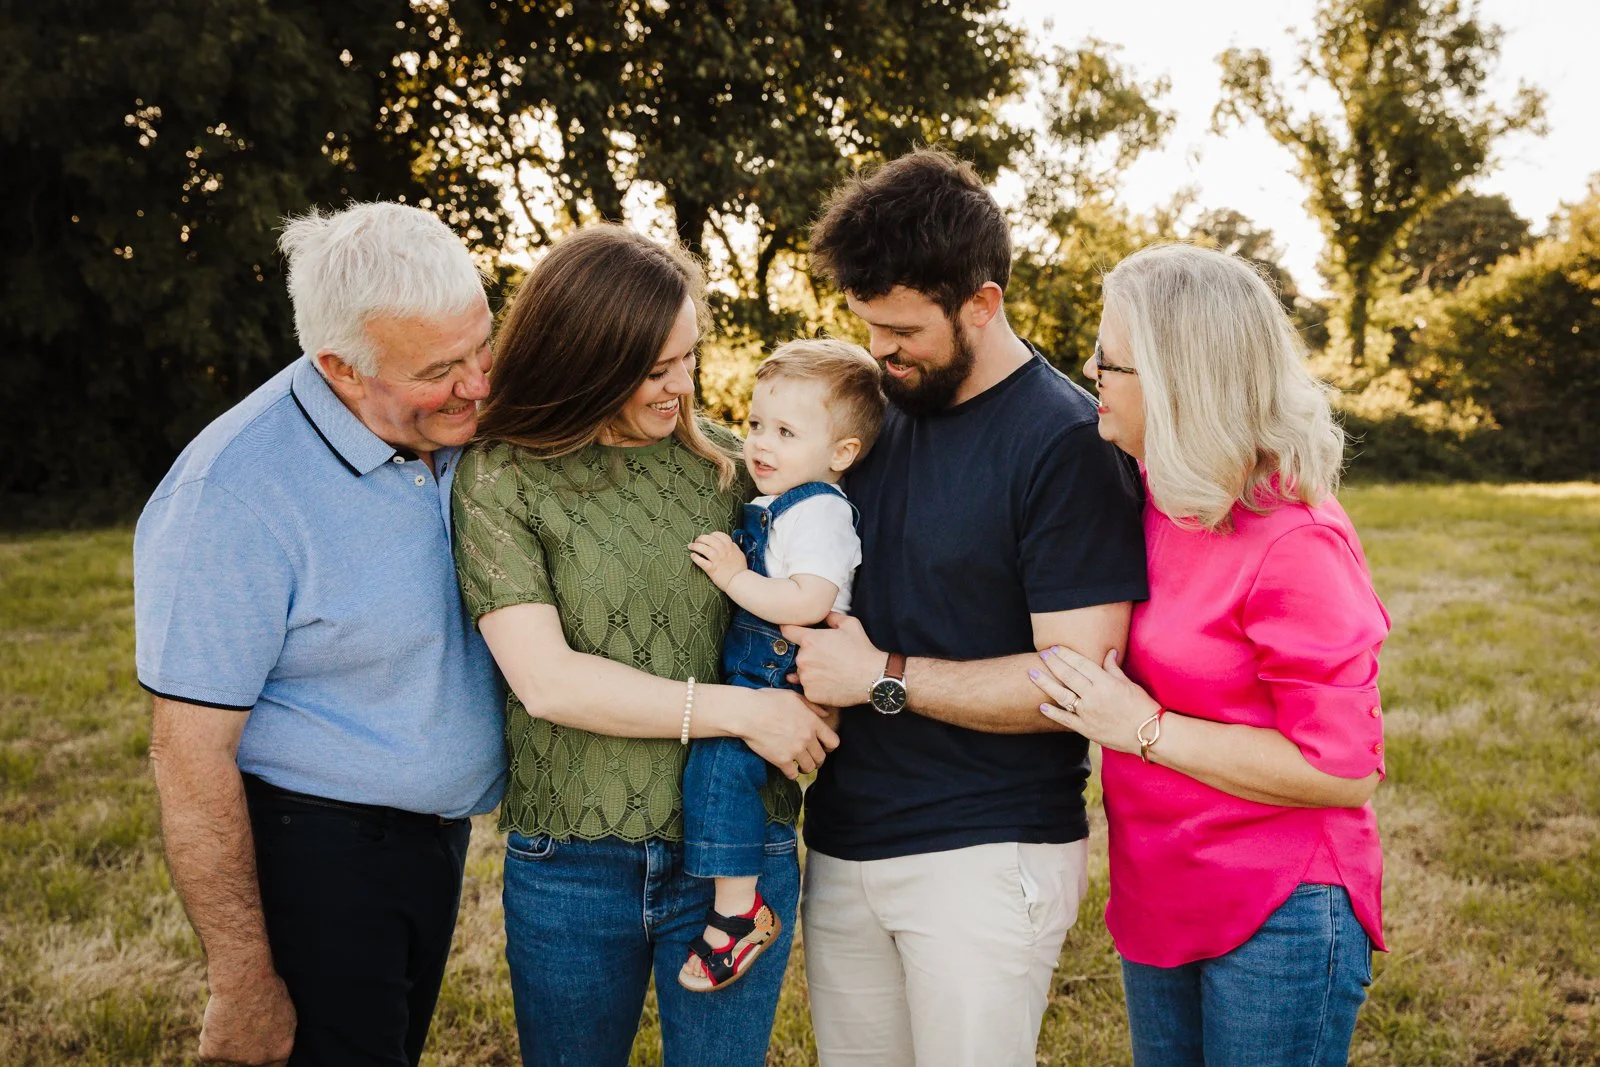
[896, 667]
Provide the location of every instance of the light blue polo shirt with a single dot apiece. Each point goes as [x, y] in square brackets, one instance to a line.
[294, 566]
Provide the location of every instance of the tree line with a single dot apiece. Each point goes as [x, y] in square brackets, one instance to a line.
[153, 147]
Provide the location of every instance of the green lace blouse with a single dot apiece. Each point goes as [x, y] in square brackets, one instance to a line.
[602, 535]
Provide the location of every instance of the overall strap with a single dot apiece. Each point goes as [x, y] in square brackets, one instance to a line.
[800, 494]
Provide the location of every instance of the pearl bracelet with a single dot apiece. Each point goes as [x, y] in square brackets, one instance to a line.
[688, 713]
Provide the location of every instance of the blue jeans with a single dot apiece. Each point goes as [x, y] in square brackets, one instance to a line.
[1287, 997]
[587, 922]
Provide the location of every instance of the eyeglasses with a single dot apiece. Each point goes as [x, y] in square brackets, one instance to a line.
[1100, 364]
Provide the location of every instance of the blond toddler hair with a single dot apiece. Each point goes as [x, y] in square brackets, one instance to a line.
[856, 401]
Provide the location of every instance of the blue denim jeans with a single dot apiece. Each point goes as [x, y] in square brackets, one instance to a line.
[588, 922]
[1287, 997]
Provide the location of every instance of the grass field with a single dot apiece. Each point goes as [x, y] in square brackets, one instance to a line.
[1490, 816]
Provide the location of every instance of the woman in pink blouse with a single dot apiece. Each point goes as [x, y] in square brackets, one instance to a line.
[1244, 742]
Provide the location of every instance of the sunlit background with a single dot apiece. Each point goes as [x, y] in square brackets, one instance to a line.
[162, 143]
[1547, 42]
[151, 149]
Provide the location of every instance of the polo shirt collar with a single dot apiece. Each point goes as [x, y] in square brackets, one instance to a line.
[358, 448]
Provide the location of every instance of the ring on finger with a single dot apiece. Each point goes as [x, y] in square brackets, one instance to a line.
[1072, 708]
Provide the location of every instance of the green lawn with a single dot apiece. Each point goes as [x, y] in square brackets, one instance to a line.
[1491, 814]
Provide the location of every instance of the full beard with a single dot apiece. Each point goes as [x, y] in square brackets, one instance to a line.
[936, 387]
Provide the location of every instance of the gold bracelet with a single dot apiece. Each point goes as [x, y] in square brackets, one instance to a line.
[688, 713]
[1146, 742]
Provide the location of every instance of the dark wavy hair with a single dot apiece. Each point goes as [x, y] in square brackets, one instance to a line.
[924, 221]
[585, 328]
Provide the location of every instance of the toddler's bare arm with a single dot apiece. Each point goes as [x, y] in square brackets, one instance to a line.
[801, 600]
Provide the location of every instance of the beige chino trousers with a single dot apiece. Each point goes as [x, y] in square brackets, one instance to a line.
[937, 960]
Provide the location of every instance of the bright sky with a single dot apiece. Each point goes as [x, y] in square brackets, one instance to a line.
[1550, 43]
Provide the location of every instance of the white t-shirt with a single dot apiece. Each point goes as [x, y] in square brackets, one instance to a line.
[816, 536]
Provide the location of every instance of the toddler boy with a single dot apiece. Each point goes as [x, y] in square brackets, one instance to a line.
[816, 410]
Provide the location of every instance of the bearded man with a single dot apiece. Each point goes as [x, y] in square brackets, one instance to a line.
[947, 837]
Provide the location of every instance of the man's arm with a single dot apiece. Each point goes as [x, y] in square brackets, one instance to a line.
[210, 850]
[837, 667]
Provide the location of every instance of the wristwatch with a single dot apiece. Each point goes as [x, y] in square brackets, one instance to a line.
[888, 694]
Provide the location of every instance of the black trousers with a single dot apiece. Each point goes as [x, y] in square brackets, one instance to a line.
[360, 905]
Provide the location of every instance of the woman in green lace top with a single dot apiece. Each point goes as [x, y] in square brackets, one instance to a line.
[573, 515]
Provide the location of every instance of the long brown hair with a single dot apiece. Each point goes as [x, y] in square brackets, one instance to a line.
[585, 328]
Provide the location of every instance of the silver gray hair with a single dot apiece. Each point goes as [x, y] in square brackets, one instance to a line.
[1229, 402]
[370, 260]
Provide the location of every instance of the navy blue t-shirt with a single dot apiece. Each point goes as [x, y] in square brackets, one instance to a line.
[971, 519]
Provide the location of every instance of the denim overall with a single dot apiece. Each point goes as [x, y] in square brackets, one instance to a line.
[724, 819]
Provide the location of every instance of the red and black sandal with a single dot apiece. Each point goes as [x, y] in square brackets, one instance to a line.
[749, 935]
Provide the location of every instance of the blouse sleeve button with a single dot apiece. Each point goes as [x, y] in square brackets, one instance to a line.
[1374, 711]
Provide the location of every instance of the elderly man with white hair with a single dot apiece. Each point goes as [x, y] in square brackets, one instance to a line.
[326, 718]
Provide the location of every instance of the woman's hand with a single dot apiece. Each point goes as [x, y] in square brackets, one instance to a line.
[1101, 703]
[719, 557]
[789, 732]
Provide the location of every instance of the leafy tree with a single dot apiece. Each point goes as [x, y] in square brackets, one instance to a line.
[1459, 240]
[1411, 125]
[1521, 343]
[736, 115]
[142, 293]
[152, 148]
[1098, 118]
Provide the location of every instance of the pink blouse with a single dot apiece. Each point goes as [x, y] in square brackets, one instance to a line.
[1274, 624]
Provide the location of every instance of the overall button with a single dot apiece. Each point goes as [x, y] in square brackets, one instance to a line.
[780, 646]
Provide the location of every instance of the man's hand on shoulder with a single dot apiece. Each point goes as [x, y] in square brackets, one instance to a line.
[249, 1022]
[836, 666]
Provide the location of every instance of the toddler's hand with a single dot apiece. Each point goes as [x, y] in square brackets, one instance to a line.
[719, 557]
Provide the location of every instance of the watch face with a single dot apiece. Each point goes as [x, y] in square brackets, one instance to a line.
[889, 696]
